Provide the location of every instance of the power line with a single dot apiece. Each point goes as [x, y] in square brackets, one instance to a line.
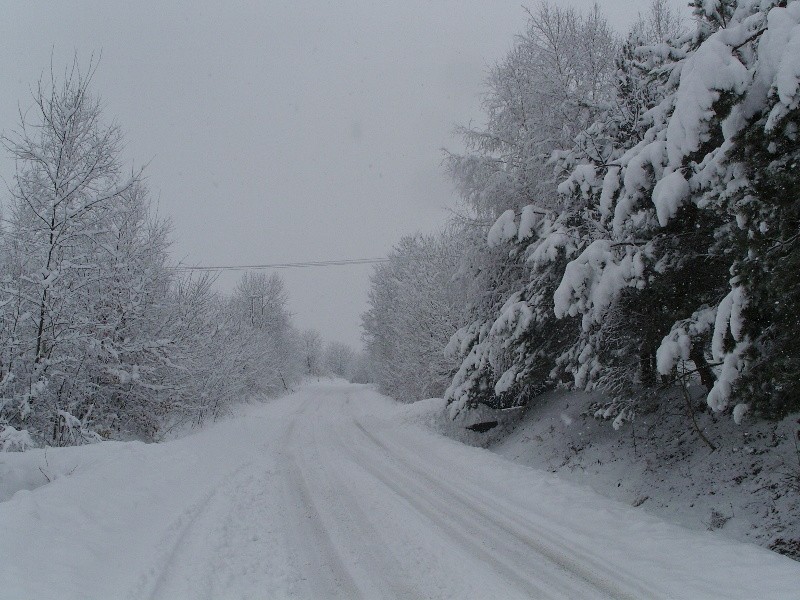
[285, 265]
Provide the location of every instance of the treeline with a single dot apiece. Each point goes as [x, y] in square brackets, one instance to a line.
[631, 219]
[100, 336]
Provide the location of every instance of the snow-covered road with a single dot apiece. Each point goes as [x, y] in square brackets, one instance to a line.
[330, 493]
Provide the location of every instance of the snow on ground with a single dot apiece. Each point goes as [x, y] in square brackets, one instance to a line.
[335, 492]
[748, 489]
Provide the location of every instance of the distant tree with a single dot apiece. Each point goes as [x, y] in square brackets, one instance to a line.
[662, 22]
[311, 353]
[261, 301]
[415, 305]
[339, 359]
[361, 371]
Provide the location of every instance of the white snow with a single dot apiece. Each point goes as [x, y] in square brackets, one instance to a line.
[643, 163]
[729, 318]
[721, 322]
[712, 69]
[528, 220]
[506, 381]
[14, 440]
[720, 395]
[334, 492]
[739, 411]
[677, 345]
[503, 229]
[514, 319]
[737, 308]
[610, 188]
[779, 68]
[659, 465]
[594, 280]
[674, 347]
[669, 194]
[583, 178]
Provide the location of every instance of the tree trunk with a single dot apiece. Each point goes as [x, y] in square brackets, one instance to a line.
[697, 356]
[647, 369]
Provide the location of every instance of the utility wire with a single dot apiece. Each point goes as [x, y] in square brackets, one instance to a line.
[286, 265]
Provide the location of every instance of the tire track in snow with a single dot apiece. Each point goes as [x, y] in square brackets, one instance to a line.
[554, 552]
[452, 526]
[153, 583]
[519, 522]
[156, 580]
[313, 547]
[377, 563]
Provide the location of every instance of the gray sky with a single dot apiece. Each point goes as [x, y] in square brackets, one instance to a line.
[278, 130]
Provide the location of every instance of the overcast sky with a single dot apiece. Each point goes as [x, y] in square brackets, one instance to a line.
[282, 131]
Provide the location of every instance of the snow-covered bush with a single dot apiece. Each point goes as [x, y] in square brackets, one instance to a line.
[13, 440]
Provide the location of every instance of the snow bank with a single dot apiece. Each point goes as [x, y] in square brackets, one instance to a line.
[36, 467]
[740, 490]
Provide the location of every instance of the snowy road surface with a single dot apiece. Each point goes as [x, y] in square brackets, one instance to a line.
[329, 493]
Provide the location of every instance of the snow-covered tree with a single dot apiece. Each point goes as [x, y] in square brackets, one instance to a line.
[758, 343]
[69, 201]
[260, 309]
[339, 359]
[695, 211]
[415, 305]
[311, 353]
[98, 335]
[551, 87]
[660, 23]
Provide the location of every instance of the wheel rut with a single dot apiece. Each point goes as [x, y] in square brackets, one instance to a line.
[544, 545]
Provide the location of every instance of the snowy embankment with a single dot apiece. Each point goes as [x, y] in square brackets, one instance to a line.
[747, 489]
[334, 491]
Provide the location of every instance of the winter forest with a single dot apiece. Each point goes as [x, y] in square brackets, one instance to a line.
[615, 299]
[102, 336]
[630, 226]
[629, 223]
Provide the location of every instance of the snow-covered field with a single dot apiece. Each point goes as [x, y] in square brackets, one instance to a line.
[335, 492]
